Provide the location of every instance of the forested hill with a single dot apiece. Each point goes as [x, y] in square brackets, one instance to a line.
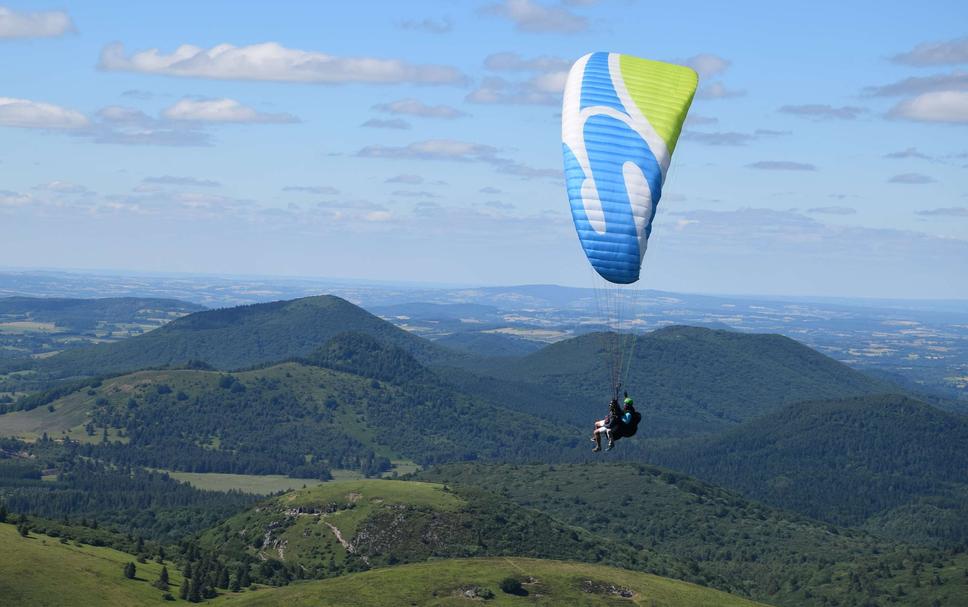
[233, 338]
[896, 464]
[686, 379]
[84, 314]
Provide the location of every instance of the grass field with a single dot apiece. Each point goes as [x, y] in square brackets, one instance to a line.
[444, 583]
[247, 483]
[40, 571]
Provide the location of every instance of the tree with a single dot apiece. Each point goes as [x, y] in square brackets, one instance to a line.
[511, 585]
[223, 578]
[187, 571]
[183, 591]
[3, 512]
[23, 528]
[162, 582]
[129, 571]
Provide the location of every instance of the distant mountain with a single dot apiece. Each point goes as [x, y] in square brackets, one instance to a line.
[489, 344]
[233, 338]
[730, 542]
[686, 380]
[892, 458]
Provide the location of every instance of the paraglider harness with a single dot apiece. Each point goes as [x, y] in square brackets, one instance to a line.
[626, 430]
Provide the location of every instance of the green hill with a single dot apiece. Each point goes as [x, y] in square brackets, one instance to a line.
[296, 418]
[729, 542]
[353, 525]
[686, 380]
[467, 581]
[489, 344]
[234, 338]
[844, 461]
[44, 571]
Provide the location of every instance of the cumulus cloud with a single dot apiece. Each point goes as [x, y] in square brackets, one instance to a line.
[433, 26]
[781, 165]
[62, 187]
[708, 65]
[915, 85]
[949, 52]
[28, 114]
[907, 153]
[41, 24]
[189, 181]
[543, 89]
[530, 16]
[414, 194]
[129, 126]
[938, 106]
[271, 61]
[513, 62]
[221, 110]
[388, 123]
[729, 138]
[413, 107]
[824, 112]
[718, 90]
[406, 178]
[323, 190]
[458, 151]
[911, 178]
[489, 190]
[833, 210]
[945, 212]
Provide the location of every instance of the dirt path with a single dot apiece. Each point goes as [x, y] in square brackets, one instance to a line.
[349, 547]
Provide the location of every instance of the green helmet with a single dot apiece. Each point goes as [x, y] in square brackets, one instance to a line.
[628, 401]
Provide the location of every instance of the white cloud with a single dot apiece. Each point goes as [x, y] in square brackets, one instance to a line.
[312, 189]
[915, 85]
[727, 138]
[543, 89]
[707, 64]
[41, 24]
[391, 123]
[489, 190]
[433, 26]
[27, 114]
[271, 61]
[513, 62]
[945, 212]
[939, 106]
[911, 179]
[823, 111]
[833, 210]
[949, 52]
[781, 165]
[189, 181]
[908, 153]
[460, 151]
[414, 194]
[413, 107]
[698, 119]
[221, 110]
[718, 90]
[63, 187]
[408, 179]
[530, 16]
[129, 126]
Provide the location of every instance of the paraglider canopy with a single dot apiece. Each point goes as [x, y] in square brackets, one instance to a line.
[621, 119]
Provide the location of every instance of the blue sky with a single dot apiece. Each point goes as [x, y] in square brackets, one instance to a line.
[827, 153]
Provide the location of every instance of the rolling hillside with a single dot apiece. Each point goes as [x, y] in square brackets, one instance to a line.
[345, 526]
[353, 404]
[686, 380]
[234, 338]
[890, 457]
[730, 542]
[468, 581]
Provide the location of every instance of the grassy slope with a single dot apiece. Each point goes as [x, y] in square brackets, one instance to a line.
[40, 571]
[736, 544]
[238, 337]
[386, 522]
[687, 379]
[439, 583]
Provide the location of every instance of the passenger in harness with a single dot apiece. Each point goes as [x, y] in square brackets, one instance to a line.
[618, 424]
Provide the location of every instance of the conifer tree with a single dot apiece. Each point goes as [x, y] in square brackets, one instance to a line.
[129, 571]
